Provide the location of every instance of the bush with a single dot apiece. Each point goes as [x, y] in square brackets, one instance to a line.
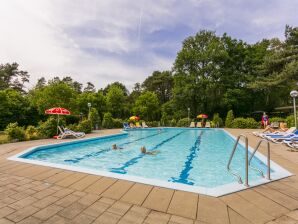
[241, 122]
[31, 133]
[48, 128]
[217, 121]
[14, 132]
[184, 122]
[276, 119]
[153, 123]
[290, 120]
[94, 118]
[84, 126]
[173, 123]
[73, 127]
[229, 119]
[164, 119]
[117, 123]
[107, 121]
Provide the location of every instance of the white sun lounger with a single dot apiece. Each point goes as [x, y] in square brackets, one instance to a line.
[67, 132]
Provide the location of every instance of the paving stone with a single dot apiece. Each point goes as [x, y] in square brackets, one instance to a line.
[135, 215]
[285, 220]
[73, 210]
[45, 201]
[23, 203]
[119, 208]
[30, 220]
[89, 199]
[159, 199]
[56, 219]
[5, 221]
[118, 189]
[84, 182]
[137, 194]
[43, 193]
[107, 218]
[48, 212]
[5, 211]
[293, 214]
[107, 200]
[180, 220]
[83, 219]
[96, 209]
[157, 218]
[67, 201]
[63, 192]
[22, 213]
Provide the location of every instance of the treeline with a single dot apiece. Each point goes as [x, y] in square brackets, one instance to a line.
[211, 74]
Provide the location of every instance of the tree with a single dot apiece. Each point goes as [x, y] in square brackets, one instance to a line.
[147, 106]
[41, 82]
[197, 72]
[56, 94]
[15, 107]
[161, 83]
[117, 84]
[116, 101]
[229, 119]
[12, 77]
[89, 88]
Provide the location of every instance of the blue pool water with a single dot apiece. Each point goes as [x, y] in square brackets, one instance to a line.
[195, 157]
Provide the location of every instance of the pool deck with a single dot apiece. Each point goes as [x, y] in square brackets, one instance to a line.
[38, 194]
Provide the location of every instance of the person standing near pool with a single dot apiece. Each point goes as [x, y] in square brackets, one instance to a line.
[265, 120]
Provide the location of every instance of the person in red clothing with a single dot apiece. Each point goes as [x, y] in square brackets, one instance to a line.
[265, 120]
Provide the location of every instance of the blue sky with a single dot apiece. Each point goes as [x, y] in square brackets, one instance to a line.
[123, 40]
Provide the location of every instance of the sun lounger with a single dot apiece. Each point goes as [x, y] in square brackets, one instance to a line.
[144, 125]
[207, 125]
[64, 133]
[291, 143]
[199, 124]
[131, 125]
[276, 133]
[192, 125]
[280, 139]
[138, 125]
[125, 126]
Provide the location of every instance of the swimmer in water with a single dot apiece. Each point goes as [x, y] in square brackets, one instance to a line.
[144, 151]
[115, 147]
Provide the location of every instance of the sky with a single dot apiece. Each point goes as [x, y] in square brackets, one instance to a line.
[103, 41]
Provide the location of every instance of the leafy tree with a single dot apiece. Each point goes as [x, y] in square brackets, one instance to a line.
[41, 82]
[197, 72]
[15, 107]
[89, 88]
[56, 94]
[117, 84]
[161, 83]
[107, 121]
[116, 101]
[12, 77]
[136, 92]
[147, 106]
[74, 84]
[94, 118]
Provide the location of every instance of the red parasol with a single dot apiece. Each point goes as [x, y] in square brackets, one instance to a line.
[58, 111]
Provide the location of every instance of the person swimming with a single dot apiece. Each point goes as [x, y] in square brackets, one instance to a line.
[144, 151]
[115, 147]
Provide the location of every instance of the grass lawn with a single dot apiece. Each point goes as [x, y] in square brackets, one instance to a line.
[3, 138]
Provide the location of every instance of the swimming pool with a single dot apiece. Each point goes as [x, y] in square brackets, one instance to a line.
[193, 160]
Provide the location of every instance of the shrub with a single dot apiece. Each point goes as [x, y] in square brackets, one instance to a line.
[173, 123]
[184, 122]
[153, 123]
[276, 119]
[107, 121]
[14, 132]
[164, 119]
[290, 120]
[217, 121]
[31, 133]
[229, 119]
[73, 127]
[117, 123]
[94, 118]
[241, 122]
[85, 126]
[48, 128]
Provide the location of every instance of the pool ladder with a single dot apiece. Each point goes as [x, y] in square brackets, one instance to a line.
[248, 160]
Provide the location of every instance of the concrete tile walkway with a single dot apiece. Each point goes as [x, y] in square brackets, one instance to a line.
[37, 194]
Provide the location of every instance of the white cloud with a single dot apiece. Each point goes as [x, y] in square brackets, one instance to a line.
[99, 41]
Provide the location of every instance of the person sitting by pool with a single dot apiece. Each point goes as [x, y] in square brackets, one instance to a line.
[144, 151]
[115, 147]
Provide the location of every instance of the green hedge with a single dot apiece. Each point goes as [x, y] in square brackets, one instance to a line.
[229, 119]
[184, 122]
[241, 122]
[85, 126]
[290, 120]
[153, 123]
[107, 121]
[276, 119]
[117, 123]
[14, 132]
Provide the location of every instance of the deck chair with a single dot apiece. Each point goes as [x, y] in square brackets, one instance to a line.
[208, 125]
[125, 126]
[138, 125]
[192, 125]
[64, 133]
[199, 124]
[144, 125]
[131, 125]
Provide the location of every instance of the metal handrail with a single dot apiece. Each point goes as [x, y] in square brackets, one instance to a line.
[268, 158]
[246, 160]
